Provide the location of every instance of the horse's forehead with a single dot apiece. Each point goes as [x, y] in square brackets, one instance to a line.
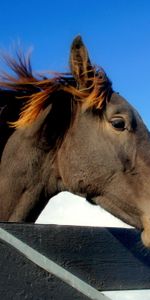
[119, 105]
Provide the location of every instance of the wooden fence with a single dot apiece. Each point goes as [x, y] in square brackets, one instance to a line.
[93, 260]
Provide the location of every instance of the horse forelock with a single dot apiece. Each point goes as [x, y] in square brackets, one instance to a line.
[37, 90]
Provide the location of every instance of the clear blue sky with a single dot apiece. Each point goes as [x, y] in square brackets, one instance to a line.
[116, 32]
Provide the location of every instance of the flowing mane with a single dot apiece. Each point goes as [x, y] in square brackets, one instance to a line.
[36, 91]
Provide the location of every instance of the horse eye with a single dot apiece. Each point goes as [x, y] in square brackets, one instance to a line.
[118, 124]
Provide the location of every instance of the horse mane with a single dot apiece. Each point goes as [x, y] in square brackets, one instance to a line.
[37, 90]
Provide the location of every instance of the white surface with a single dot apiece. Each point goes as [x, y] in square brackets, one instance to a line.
[68, 209]
[129, 295]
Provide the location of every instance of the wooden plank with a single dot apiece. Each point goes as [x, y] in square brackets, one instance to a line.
[20, 279]
[108, 259]
[51, 267]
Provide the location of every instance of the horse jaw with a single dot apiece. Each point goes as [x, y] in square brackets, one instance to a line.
[140, 222]
[124, 213]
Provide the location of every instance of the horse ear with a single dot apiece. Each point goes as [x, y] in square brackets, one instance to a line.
[80, 64]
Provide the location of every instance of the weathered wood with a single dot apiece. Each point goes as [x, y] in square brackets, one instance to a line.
[108, 259]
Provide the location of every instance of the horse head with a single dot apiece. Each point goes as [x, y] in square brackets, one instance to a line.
[105, 156]
[75, 133]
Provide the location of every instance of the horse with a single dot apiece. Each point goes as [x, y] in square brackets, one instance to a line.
[71, 132]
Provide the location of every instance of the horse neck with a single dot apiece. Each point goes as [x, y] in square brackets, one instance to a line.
[37, 173]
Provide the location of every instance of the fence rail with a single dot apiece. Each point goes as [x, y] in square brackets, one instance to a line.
[101, 258]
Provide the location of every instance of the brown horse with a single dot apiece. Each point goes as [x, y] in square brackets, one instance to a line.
[71, 132]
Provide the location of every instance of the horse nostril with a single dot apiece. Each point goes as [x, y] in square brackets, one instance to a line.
[145, 237]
